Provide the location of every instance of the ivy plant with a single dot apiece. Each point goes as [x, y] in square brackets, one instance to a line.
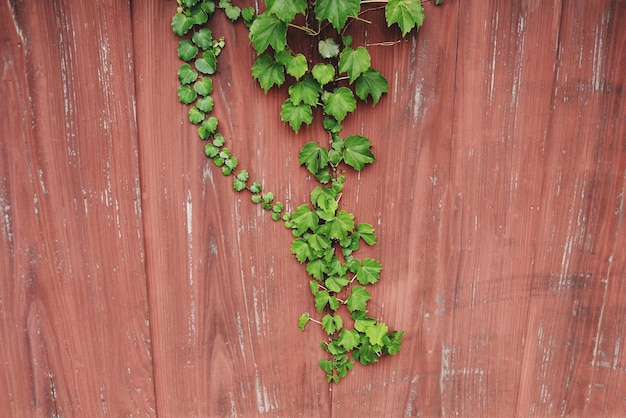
[326, 237]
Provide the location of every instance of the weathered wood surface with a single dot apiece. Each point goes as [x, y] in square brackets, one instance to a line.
[134, 282]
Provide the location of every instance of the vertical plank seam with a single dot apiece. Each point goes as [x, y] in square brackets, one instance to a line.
[141, 209]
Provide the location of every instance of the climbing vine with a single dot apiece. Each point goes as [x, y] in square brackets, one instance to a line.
[326, 237]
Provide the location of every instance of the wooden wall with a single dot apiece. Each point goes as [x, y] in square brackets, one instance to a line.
[134, 282]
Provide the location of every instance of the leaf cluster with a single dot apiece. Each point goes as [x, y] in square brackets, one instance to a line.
[334, 81]
[325, 239]
[199, 51]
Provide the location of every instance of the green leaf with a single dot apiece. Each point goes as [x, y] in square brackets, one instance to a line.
[392, 344]
[333, 303]
[339, 103]
[303, 320]
[210, 124]
[406, 13]
[336, 283]
[354, 62]
[286, 10]
[232, 12]
[315, 268]
[204, 86]
[327, 366]
[371, 83]
[208, 63]
[357, 301]
[338, 227]
[198, 15]
[365, 354]
[255, 187]
[323, 73]
[297, 66]
[349, 339]
[211, 150]
[305, 91]
[313, 156]
[318, 242]
[303, 219]
[336, 11]
[376, 333]
[186, 74]
[186, 94]
[366, 233]
[302, 250]
[268, 72]
[296, 114]
[219, 141]
[187, 50]
[196, 115]
[322, 298]
[361, 321]
[208, 6]
[267, 30]
[203, 38]
[328, 48]
[189, 3]
[181, 24]
[331, 323]
[369, 272]
[205, 104]
[357, 152]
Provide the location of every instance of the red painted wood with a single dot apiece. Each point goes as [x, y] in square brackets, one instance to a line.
[136, 282]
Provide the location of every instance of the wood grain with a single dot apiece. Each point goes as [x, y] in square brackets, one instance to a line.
[74, 304]
[135, 282]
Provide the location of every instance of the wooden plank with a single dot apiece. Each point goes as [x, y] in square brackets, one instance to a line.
[225, 293]
[73, 302]
[404, 194]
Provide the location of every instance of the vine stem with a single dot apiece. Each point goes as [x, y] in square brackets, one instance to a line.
[304, 29]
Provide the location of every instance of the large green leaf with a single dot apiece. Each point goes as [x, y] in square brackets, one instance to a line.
[187, 50]
[207, 64]
[323, 73]
[349, 339]
[339, 103]
[203, 38]
[306, 91]
[295, 65]
[296, 114]
[181, 24]
[331, 323]
[268, 72]
[267, 30]
[366, 233]
[406, 13]
[340, 225]
[357, 301]
[315, 268]
[186, 74]
[313, 156]
[354, 62]
[186, 94]
[302, 250]
[357, 152]
[336, 283]
[376, 333]
[322, 298]
[286, 10]
[371, 83]
[336, 11]
[303, 219]
[204, 86]
[368, 271]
